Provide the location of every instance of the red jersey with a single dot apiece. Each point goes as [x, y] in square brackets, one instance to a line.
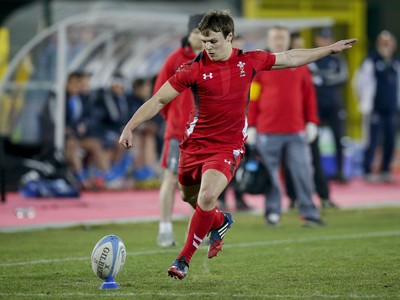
[176, 113]
[221, 93]
[283, 101]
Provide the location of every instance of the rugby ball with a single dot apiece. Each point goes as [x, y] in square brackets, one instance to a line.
[108, 257]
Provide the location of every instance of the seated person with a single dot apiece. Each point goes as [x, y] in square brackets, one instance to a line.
[79, 132]
[146, 163]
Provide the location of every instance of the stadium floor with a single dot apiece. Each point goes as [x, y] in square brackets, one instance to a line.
[136, 206]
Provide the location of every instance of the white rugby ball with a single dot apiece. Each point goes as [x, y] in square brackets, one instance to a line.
[108, 256]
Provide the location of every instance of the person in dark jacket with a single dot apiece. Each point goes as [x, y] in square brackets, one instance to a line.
[79, 131]
[333, 73]
[377, 84]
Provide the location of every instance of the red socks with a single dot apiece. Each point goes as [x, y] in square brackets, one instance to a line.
[202, 222]
[219, 219]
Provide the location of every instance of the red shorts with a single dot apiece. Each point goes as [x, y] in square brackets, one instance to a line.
[192, 166]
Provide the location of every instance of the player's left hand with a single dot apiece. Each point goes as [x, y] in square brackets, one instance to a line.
[126, 138]
[342, 45]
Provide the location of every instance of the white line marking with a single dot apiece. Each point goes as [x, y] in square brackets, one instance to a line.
[36, 227]
[317, 239]
[255, 212]
[239, 245]
[194, 294]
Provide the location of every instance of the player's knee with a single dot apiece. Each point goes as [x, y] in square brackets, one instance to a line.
[208, 197]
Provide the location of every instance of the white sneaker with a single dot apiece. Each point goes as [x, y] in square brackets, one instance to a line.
[166, 239]
[273, 219]
[387, 177]
[372, 178]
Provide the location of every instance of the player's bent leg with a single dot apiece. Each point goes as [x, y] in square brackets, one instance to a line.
[189, 194]
[212, 184]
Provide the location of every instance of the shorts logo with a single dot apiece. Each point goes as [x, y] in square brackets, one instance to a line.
[241, 67]
[228, 161]
[205, 76]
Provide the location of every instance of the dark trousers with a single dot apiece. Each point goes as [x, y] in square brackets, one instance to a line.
[334, 118]
[381, 125]
[320, 181]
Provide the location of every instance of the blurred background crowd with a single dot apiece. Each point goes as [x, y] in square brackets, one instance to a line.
[74, 72]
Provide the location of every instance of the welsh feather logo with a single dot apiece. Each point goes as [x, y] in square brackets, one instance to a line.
[209, 75]
[241, 67]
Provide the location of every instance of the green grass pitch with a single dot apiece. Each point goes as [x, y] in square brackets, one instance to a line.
[356, 256]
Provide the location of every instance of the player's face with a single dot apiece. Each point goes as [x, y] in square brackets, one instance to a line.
[216, 46]
[195, 40]
[278, 40]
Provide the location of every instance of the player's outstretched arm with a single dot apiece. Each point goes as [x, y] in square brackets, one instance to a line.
[148, 110]
[299, 57]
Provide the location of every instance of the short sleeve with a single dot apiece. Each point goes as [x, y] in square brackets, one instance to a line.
[262, 60]
[184, 77]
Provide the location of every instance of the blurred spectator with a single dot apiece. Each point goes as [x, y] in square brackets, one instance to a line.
[320, 180]
[87, 93]
[282, 107]
[377, 86]
[146, 159]
[333, 73]
[79, 132]
[112, 108]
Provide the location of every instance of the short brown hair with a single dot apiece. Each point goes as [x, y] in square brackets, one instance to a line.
[217, 21]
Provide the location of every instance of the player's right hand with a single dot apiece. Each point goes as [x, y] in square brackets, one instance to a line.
[126, 138]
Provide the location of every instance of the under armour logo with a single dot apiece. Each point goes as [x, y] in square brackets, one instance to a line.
[205, 76]
[228, 161]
